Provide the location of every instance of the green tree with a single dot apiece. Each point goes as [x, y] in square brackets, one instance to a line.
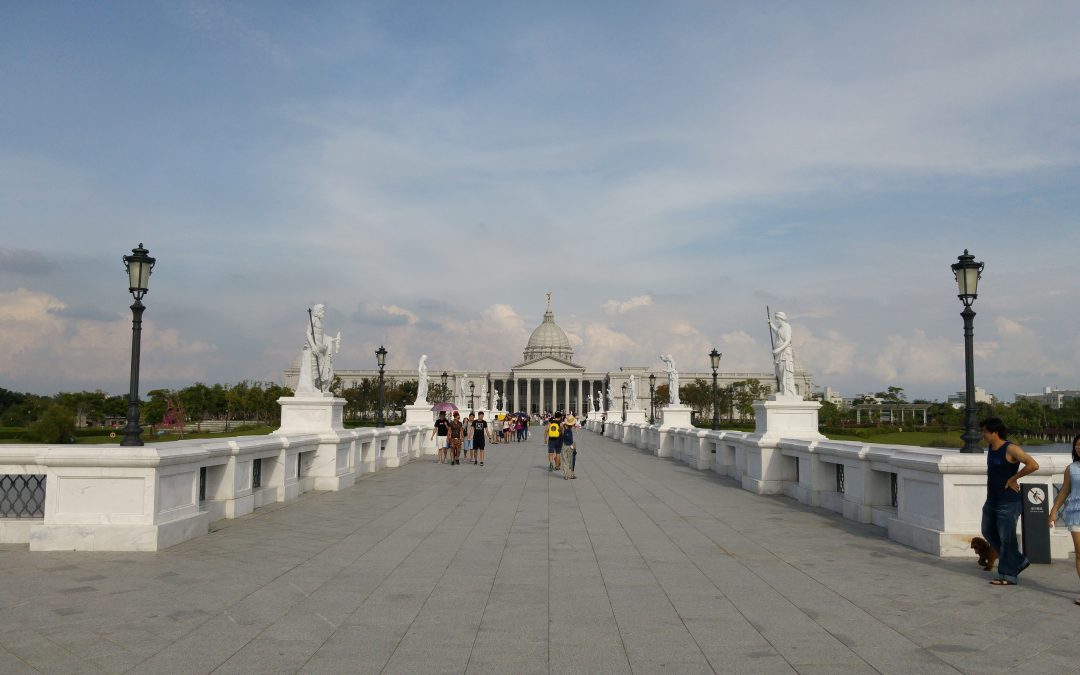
[745, 393]
[57, 425]
[698, 395]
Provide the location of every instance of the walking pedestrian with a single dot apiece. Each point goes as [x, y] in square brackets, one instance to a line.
[1002, 507]
[480, 434]
[457, 430]
[554, 441]
[568, 449]
[467, 438]
[1068, 502]
[439, 432]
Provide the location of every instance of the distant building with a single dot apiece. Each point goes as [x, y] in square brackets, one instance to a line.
[959, 399]
[830, 395]
[1055, 398]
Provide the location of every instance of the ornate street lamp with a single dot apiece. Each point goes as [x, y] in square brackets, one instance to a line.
[968, 272]
[624, 386]
[714, 356]
[472, 388]
[380, 354]
[139, 265]
[445, 393]
[652, 398]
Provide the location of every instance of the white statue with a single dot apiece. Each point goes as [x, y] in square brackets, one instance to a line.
[422, 382]
[672, 379]
[483, 394]
[633, 392]
[317, 356]
[783, 356]
[463, 391]
[610, 398]
[599, 402]
[495, 400]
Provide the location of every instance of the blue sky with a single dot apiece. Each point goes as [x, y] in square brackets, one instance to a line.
[430, 170]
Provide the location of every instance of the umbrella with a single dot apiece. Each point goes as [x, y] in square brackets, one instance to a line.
[444, 406]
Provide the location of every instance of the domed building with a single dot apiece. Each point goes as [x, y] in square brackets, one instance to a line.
[548, 340]
[547, 378]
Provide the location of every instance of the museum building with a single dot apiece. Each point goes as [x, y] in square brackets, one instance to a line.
[548, 379]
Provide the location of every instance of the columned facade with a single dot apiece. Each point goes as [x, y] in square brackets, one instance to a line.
[547, 379]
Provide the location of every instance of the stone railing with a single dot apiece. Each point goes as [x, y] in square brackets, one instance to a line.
[927, 498]
[111, 498]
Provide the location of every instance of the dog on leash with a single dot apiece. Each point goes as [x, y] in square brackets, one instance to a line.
[987, 556]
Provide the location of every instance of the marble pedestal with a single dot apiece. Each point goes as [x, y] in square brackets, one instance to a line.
[419, 415]
[635, 417]
[675, 416]
[787, 417]
[310, 414]
[768, 470]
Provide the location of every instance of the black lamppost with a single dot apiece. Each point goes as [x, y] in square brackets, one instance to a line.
[624, 385]
[380, 354]
[968, 272]
[714, 356]
[652, 398]
[731, 403]
[445, 393]
[139, 265]
[472, 388]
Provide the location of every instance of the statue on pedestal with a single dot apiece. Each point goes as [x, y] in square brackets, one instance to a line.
[422, 382]
[610, 398]
[633, 392]
[599, 402]
[672, 378]
[317, 355]
[484, 394]
[783, 356]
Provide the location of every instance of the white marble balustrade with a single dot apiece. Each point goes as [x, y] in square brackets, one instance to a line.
[939, 492]
[111, 498]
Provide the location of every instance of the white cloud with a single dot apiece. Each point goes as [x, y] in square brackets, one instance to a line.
[617, 307]
[37, 342]
[393, 310]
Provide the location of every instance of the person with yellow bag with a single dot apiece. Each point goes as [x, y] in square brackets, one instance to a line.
[554, 439]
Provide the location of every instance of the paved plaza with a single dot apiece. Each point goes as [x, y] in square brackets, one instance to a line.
[641, 565]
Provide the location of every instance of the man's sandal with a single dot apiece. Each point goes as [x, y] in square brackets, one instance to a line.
[1002, 582]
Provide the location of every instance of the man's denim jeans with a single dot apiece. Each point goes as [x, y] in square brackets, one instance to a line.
[999, 530]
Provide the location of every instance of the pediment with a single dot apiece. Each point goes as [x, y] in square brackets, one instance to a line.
[546, 363]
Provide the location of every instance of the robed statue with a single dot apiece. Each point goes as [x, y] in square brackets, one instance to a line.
[422, 382]
[783, 355]
[672, 378]
[317, 355]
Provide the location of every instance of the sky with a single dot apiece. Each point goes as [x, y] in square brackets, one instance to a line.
[429, 170]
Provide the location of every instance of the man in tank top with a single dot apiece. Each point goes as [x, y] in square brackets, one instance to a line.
[1002, 507]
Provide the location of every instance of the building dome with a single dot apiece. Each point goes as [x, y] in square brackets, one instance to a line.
[548, 339]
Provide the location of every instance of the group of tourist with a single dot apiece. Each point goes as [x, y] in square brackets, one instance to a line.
[511, 428]
[562, 451]
[459, 439]
[1006, 464]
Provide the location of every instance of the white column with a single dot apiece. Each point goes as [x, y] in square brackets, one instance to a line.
[580, 391]
[566, 388]
[528, 395]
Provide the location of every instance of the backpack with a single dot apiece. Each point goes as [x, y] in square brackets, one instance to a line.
[553, 430]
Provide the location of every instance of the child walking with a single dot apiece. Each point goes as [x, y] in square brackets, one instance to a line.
[1068, 501]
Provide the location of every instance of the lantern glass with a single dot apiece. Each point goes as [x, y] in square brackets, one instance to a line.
[139, 265]
[380, 354]
[967, 272]
[715, 357]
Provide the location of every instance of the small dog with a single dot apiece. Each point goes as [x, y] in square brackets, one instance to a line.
[987, 556]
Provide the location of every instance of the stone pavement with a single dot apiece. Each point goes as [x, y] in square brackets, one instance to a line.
[641, 565]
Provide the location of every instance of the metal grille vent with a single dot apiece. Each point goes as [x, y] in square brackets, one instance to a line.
[22, 496]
